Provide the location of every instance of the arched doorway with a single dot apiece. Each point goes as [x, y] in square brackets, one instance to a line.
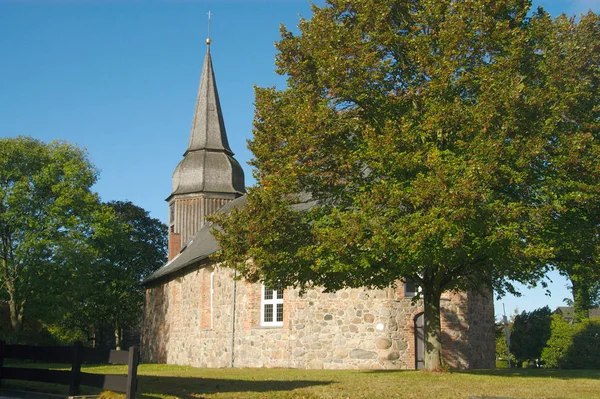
[420, 341]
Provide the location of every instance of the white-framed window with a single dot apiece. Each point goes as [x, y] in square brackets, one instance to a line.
[271, 310]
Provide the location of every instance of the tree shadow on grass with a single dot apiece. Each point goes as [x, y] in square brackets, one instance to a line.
[194, 388]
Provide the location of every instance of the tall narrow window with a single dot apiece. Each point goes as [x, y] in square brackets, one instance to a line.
[172, 216]
[272, 307]
[207, 291]
[410, 288]
[212, 293]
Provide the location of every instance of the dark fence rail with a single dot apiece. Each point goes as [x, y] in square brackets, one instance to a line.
[74, 355]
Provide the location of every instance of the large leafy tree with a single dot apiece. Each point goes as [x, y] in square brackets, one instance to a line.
[105, 290]
[45, 207]
[574, 170]
[412, 141]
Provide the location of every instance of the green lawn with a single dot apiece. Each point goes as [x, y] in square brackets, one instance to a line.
[161, 381]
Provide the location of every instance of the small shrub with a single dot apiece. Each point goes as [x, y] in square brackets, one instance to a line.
[65, 336]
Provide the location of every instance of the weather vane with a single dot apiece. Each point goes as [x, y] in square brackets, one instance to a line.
[208, 41]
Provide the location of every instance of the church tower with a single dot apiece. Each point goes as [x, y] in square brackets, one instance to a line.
[208, 177]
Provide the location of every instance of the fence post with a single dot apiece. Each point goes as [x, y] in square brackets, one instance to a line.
[76, 368]
[134, 359]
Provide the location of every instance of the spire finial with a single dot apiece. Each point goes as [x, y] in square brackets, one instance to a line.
[208, 41]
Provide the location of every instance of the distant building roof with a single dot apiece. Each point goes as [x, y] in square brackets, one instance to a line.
[568, 313]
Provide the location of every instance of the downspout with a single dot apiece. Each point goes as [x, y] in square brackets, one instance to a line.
[232, 318]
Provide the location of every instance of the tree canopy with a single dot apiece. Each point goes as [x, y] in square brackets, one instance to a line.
[45, 206]
[414, 140]
[573, 171]
[529, 333]
[69, 261]
[128, 245]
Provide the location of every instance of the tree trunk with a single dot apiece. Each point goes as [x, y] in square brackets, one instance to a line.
[16, 318]
[118, 338]
[433, 336]
[15, 308]
[93, 337]
[581, 299]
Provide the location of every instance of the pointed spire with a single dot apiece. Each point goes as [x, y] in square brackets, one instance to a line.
[208, 129]
[208, 165]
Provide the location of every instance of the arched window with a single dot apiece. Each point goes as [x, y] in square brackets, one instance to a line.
[212, 294]
[207, 292]
[420, 341]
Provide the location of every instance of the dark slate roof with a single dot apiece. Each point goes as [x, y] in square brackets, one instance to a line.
[208, 164]
[197, 249]
[204, 244]
[207, 171]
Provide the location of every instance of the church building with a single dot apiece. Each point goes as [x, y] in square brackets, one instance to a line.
[197, 313]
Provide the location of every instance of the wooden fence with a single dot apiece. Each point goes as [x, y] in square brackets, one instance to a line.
[74, 355]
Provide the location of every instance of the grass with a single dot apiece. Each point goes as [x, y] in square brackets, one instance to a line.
[164, 381]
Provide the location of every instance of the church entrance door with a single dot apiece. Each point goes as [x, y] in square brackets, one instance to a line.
[420, 341]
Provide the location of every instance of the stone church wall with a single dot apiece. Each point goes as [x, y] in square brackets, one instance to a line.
[348, 329]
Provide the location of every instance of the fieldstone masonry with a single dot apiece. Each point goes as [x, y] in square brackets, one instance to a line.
[349, 329]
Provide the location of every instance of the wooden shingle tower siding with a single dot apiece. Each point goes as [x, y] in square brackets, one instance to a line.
[208, 177]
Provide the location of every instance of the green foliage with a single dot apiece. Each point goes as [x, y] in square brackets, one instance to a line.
[105, 290]
[68, 264]
[585, 286]
[573, 346]
[559, 343]
[415, 140]
[45, 208]
[529, 333]
[502, 363]
[502, 359]
[574, 177]
[29, 336]
[64, 336]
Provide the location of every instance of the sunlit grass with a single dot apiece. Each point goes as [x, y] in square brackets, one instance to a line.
[164, 381]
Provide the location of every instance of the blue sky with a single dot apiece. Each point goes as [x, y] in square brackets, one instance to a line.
[119, 78]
